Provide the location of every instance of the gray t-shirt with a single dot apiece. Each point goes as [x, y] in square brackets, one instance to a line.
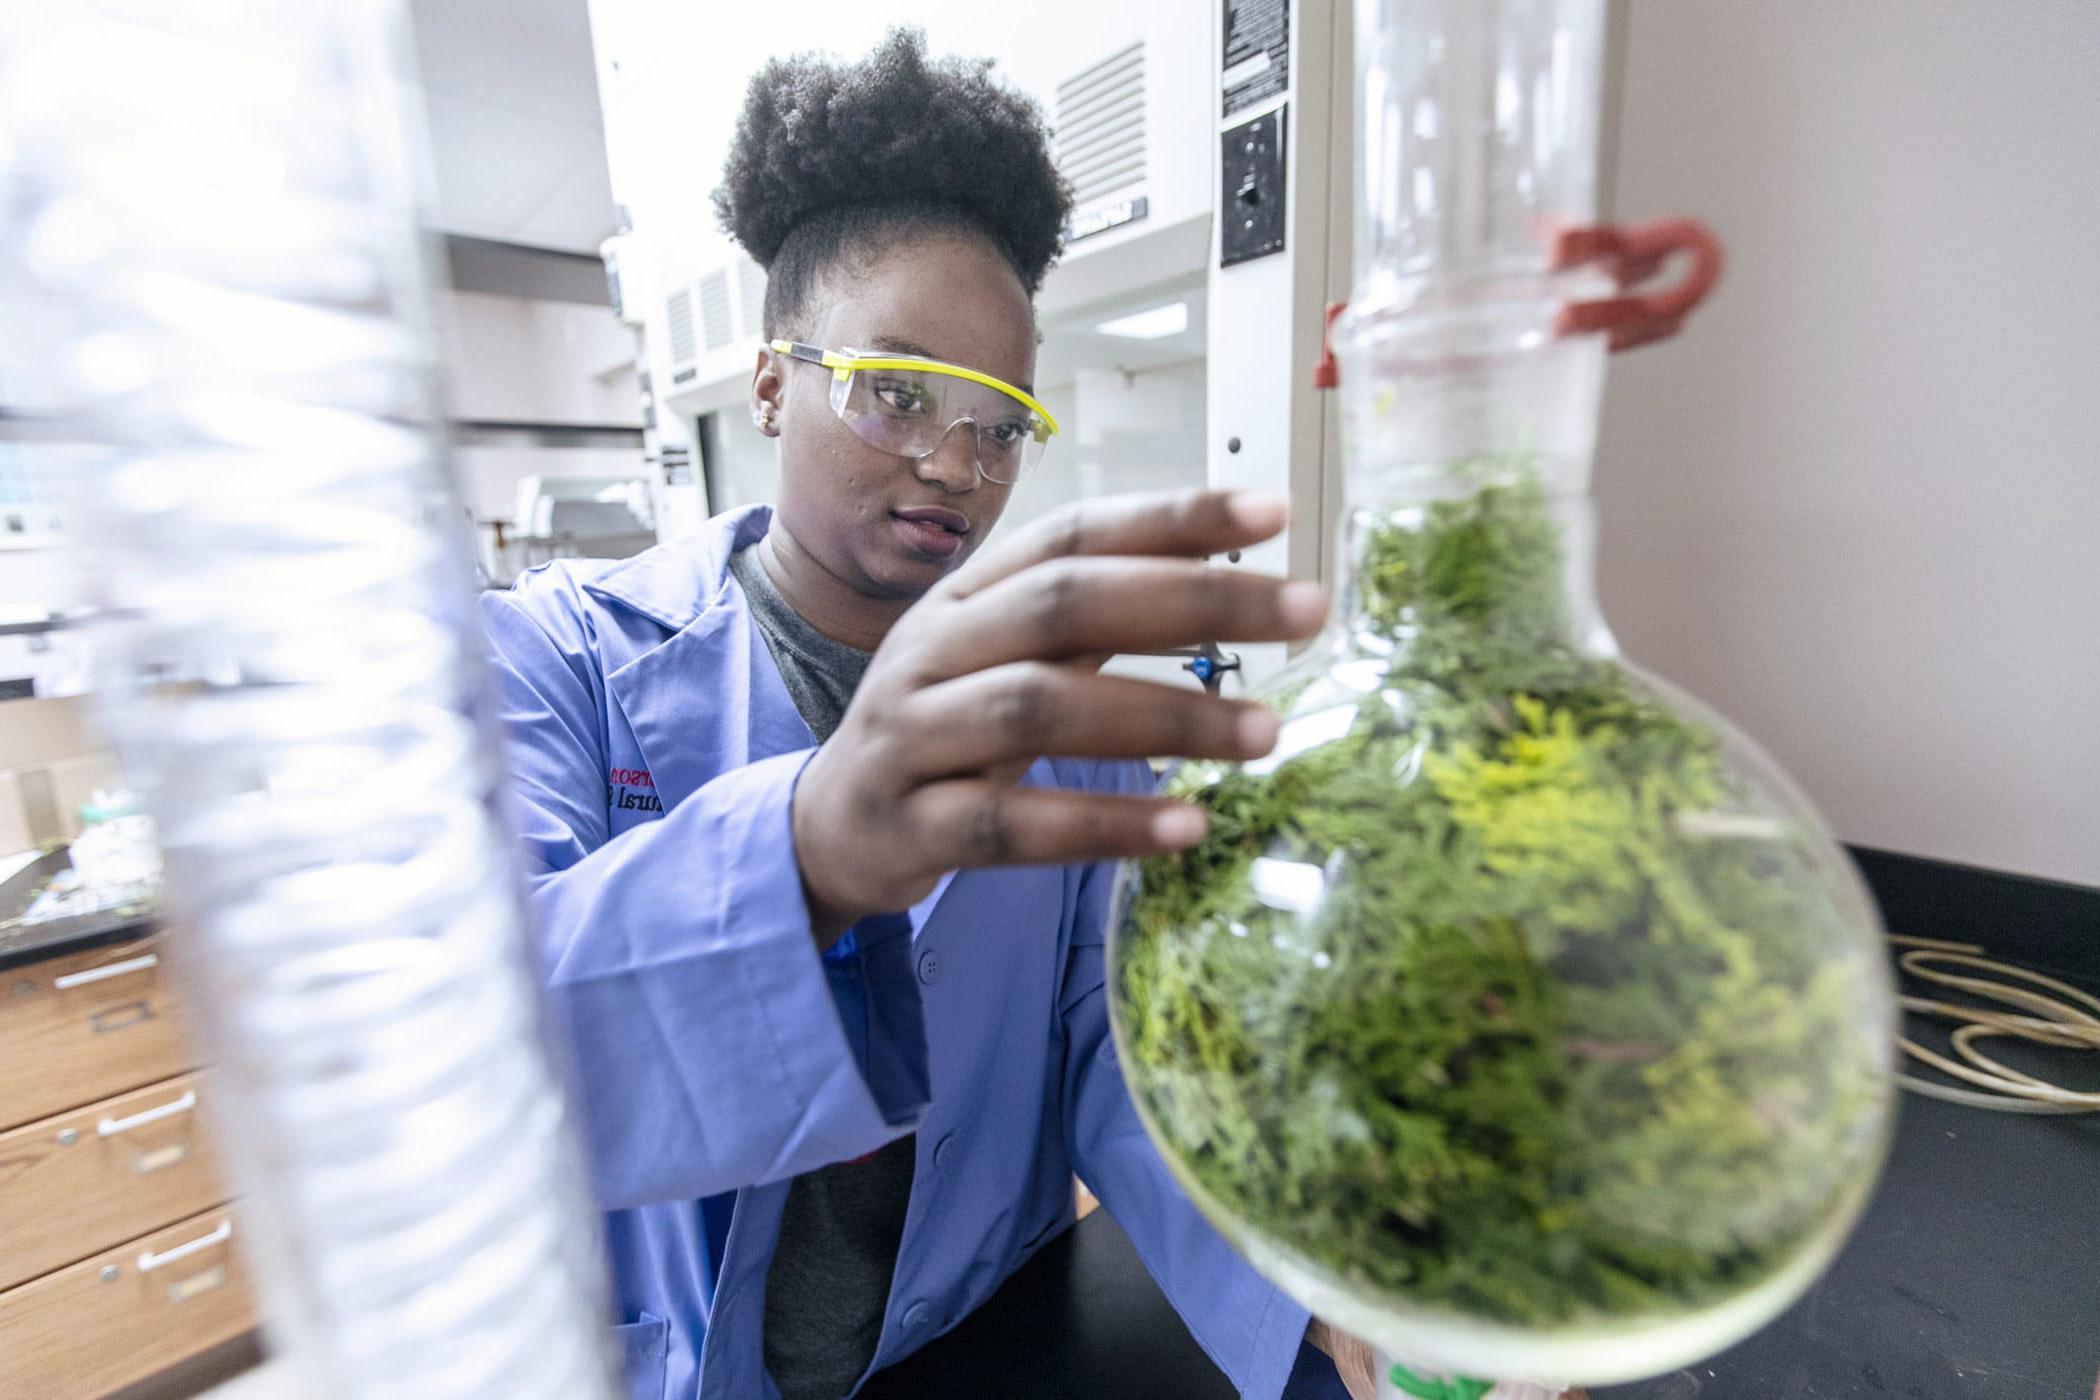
[829, 1282]
[821, 674]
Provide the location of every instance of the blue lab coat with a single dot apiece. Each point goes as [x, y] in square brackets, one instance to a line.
[652, 750]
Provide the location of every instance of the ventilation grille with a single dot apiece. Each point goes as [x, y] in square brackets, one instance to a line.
[715, 329]
[678, 312]
[751, 295]
[1101, 126]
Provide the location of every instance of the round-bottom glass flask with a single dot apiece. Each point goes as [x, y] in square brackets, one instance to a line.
[1516, 1014]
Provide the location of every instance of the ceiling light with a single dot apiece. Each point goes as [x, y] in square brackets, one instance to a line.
[1160, 321]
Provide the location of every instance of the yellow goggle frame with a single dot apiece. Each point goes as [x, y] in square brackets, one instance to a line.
[843, 364]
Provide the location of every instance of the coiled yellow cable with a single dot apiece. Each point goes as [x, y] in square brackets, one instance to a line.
[2057, 1021]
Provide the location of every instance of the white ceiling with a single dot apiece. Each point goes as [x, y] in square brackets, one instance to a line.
[517, 146]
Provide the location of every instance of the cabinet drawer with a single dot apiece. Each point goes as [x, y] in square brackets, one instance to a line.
[92, 1024]
[100, 1175]
[123, 1314]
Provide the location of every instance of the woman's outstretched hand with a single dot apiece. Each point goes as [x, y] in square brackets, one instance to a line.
[993, 668]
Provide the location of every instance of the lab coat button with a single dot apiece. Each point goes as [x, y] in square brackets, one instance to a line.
[917, 1316]
[942, 1151]
[929, 967]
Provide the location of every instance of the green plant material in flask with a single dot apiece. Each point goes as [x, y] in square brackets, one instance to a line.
[1516, 1013]
[1500, 990]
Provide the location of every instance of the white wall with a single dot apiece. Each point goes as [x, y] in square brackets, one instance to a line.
[746, 467]
[529, 360]
[1140, 430]
[34, 582]
[511, 112]
[488, 477]
[35, 579]
[1856, 506]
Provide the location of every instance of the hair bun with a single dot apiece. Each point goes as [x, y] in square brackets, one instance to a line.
[817, 134]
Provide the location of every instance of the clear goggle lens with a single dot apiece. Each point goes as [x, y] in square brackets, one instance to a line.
[911, 412]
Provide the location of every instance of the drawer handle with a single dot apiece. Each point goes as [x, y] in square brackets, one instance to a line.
[119, 1017]
[110, 1127]
[98, 974]
[149, 1261]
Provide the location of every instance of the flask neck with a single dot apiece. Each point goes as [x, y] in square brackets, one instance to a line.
[1484, 572]
[1468, 421]
[1479, 123]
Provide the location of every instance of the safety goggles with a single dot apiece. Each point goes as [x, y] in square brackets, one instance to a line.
[907, 405]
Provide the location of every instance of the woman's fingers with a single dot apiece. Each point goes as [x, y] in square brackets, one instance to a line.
[998, 665]
[1026, 709]
[1072, 607]
[975, 822]
[1183, 524]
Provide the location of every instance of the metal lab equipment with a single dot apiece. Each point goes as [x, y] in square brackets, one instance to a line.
[203, 228]
[564, 517]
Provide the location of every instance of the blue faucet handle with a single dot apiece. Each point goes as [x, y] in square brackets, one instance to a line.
[1209, 664]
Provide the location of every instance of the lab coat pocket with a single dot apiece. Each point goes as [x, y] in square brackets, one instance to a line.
[644, 1346]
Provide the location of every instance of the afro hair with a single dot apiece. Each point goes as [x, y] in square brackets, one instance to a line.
[836, 158]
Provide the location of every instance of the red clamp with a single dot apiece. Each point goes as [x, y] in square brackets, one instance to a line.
[1633, 253]
[1327, 374]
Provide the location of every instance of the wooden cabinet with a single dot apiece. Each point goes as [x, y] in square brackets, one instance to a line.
[122, 1314]
[83, 1026]
[116, 1242]
[109, 1171]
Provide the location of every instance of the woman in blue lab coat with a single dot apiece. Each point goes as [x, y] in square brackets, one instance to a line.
[820, 806]
[833, 1094]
